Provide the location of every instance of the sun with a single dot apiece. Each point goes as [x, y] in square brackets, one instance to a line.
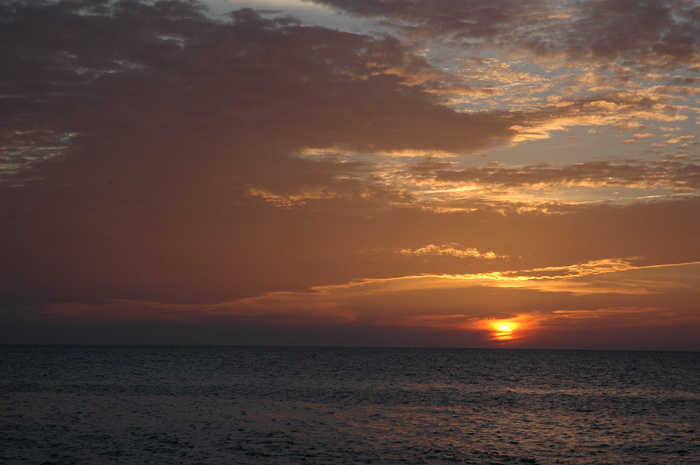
[504, 327]
[503, 330]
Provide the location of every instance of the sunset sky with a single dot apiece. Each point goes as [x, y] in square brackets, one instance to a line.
[446, 173]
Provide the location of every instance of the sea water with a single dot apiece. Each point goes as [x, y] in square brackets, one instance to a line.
[251, 405]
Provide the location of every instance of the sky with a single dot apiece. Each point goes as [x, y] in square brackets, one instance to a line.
[418, 173]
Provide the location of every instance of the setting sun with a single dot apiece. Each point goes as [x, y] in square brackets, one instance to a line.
[502, 330]
[505, 327]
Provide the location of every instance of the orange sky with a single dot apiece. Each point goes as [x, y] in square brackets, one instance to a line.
[334, 172]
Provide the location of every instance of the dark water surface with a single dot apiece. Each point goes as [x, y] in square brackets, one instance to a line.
[236, 405]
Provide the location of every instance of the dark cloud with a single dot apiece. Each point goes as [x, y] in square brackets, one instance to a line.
[156, 121]
[666, 30]
[654, 30]
[460, 20]
[165, 68]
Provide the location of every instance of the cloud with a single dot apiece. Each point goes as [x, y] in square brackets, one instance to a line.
[158, 163]
[536, 302]
[673, 174]
[141, 138]
[661, 31]
[452, 250]
[186, 61]
[638, 136]
[354, 299]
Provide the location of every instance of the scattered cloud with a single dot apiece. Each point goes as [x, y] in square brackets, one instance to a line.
[452, 250]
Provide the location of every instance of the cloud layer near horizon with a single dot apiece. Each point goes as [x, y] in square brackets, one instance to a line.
[257, 173]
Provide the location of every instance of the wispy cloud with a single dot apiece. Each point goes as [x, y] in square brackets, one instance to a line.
[451, 250]
[576, 292]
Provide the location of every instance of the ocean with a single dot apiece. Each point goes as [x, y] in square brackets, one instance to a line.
[284, 405]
